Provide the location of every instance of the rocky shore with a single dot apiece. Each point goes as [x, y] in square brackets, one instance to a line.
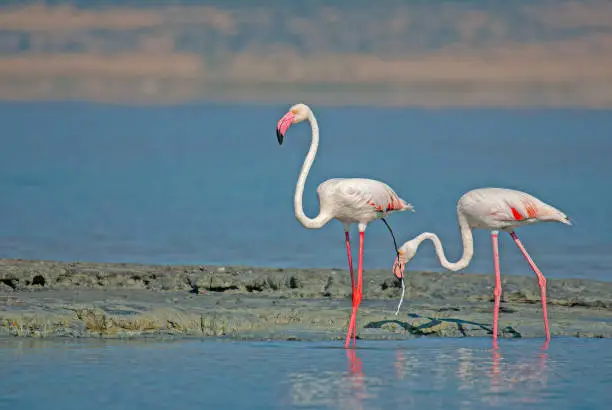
[54, 299]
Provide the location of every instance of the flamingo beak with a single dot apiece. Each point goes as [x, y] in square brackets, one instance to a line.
[283, 125]
[398, 267]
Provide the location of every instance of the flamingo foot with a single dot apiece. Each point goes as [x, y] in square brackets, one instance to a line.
[352, 331]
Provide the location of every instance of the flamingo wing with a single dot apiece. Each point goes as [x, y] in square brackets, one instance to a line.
[509, 205]
[521, 206]
[366, 194]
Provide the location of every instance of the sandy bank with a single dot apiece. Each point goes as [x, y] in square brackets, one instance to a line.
[47, 299]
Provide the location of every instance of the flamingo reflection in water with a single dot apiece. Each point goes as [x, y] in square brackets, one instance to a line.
[528, 376]
[525, 375]
[478, 378]
[343, 389]
[356, 378]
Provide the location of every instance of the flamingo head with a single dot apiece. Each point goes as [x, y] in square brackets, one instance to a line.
[296, 114]
[406, 253]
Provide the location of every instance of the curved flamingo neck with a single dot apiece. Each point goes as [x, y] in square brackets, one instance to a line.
[320, 219]
[468, 245]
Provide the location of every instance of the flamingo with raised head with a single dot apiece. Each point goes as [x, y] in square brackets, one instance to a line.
[349, 200]
[493, 209]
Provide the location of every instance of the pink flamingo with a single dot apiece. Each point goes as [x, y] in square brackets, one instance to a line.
[349, 200]
[493, 209]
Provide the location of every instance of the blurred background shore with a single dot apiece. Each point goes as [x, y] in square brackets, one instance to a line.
[394, 53]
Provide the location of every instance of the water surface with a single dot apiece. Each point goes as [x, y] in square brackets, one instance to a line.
[419, 373]
[209, 184]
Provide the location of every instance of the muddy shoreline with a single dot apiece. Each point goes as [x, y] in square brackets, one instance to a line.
[116, 300]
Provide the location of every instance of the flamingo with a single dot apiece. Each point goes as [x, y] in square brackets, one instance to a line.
[349, 200]
[493, 209]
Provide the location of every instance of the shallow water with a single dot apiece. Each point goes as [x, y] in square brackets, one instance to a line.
[437, 373]
[209, 184]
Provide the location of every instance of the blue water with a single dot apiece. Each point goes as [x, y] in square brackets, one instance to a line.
[209, 184]
[421, 373]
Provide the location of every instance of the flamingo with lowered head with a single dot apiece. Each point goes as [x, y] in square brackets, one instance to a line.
[349, 200]
[493, 209]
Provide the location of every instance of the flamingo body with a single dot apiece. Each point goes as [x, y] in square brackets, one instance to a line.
[358, 200]
[503, 209]
[493, 209]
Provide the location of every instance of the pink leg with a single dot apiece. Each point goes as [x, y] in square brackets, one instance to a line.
[350, 263]
[359, 285]
[350, 258]
[357, 293]
[541, 280]
[498, 289]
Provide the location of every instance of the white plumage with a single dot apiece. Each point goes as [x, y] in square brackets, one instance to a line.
[501, 208]
[358, 200]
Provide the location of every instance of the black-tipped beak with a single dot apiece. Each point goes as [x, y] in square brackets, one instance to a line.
[279, 136]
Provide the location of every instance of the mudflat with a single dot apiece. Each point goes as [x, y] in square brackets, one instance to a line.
[117, 300]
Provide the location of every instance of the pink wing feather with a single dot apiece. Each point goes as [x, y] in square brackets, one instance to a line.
[506, 204]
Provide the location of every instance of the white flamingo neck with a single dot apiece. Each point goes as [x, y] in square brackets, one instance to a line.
[320, 219]
[468, 245]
